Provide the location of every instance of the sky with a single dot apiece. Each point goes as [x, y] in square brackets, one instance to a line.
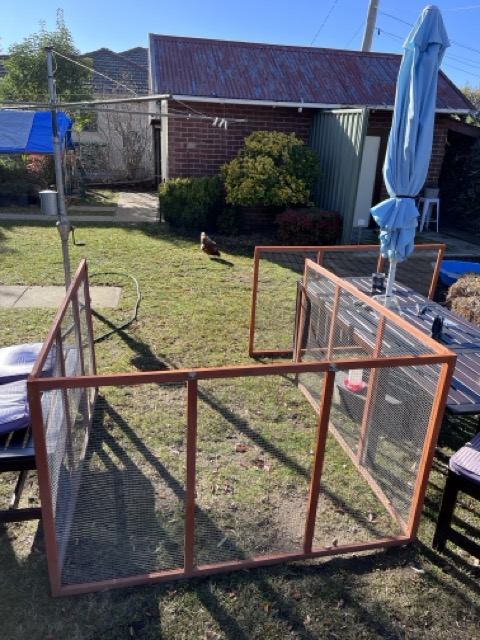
[339, 24]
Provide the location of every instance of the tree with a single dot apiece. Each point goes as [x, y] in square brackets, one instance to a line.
[274, 169]
[474, 96]
[26, 65]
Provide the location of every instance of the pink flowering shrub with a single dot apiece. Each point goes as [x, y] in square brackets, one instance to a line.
[309, 226]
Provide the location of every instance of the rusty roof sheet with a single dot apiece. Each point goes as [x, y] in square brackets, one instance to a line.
[265, 72]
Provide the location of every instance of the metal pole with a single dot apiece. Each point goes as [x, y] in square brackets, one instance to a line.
[370, 26]
[63, 225]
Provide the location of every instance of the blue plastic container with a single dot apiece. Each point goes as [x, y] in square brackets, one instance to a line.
[451, 270]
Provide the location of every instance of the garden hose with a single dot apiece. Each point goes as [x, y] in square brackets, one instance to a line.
[135, 309]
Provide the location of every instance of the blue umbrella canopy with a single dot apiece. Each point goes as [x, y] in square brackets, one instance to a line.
[411, 136]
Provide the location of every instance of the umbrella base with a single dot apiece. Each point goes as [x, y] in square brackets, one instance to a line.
[390, 302]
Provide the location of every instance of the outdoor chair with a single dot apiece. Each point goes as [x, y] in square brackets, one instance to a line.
[17, 453]
[463, 476]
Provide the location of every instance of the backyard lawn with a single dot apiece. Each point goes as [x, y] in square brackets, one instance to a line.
[194, 312]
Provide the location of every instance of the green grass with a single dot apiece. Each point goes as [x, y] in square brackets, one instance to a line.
[195, 313]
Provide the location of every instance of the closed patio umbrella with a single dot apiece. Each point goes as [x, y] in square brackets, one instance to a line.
[410, 142]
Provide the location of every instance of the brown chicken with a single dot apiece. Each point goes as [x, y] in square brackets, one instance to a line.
[208, 245]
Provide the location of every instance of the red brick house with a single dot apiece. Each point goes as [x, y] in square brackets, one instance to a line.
[340, 102]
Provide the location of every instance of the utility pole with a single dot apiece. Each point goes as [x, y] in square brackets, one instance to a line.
[370, 26]
[63, 225]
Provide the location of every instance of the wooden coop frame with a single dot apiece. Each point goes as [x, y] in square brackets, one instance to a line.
[62, 439]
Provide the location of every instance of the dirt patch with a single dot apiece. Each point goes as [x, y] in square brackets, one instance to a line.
[464, 297]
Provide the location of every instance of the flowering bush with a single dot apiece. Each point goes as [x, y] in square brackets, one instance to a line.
[309, 226]
[41, 169]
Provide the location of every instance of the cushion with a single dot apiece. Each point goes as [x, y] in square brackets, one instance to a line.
[16, 362]
[466, 462]
[14, 409]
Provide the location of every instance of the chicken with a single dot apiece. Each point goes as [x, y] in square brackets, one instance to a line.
[208, 245]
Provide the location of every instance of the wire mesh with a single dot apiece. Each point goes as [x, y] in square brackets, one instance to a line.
[396, 430]
[253, 467]
[418, 271]
[276, 295]
[278, 274]
[349, 511]
[379, 415]
[128, 518]
[279, 266]
[348, 264]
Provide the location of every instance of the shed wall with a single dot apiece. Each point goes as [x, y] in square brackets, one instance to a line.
[338, 138]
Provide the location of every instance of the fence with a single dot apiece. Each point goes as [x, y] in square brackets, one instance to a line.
[159, 475]
[276, 266]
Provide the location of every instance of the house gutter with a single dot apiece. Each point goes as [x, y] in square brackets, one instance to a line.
[299, 105]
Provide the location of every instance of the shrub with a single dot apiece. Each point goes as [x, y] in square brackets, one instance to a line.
[22, 172]
[309, 226]
[273, 169]
[191, 203]
[230, 221]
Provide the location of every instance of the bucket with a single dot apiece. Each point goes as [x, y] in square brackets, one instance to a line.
[48, 200]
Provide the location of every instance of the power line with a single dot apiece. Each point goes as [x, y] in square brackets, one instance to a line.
[448, 57]
[324, 22]
[119, 84]
[409, 24]
[355, 35]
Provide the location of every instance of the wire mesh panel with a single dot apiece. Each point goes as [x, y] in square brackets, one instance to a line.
[256, 441]
[128, 518]
[347, 264]
[380, 415]
[276, 291]
[277, 270]
[349, 511]
[420, 271]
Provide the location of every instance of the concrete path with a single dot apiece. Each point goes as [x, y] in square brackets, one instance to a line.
[131, 207]
[16, 297]
[137, 207]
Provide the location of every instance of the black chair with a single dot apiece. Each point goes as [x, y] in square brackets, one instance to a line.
[17, 452]
[463, 476]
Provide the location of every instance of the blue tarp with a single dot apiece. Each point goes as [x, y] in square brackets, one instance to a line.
[31, 132]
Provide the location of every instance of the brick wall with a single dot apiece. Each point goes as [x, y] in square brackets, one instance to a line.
[196, 148]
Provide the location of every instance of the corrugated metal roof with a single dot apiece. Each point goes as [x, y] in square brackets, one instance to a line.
[266, 72]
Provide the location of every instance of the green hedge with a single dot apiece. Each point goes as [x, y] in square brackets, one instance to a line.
[191, 203]
[273, 169]
[309, 226]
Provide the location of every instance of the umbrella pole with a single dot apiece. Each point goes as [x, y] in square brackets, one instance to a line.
[390, 281]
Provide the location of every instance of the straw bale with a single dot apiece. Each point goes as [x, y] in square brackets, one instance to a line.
[463, 297]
